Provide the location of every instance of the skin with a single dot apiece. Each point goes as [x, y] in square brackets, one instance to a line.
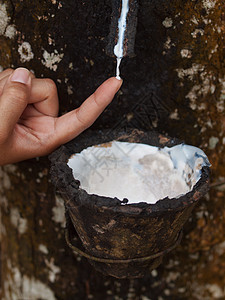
[29, 122]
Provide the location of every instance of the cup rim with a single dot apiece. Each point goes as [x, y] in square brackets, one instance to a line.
[68, 187]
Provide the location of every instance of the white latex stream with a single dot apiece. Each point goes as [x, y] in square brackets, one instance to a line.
[118, 49]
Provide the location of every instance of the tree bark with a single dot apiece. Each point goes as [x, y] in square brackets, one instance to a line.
[175, 85]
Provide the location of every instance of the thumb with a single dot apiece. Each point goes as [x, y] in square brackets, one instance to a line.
[14, 100]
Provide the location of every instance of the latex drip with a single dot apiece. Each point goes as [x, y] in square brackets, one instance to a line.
[122, 24]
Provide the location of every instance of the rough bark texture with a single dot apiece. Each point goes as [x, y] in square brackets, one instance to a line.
[175, 84]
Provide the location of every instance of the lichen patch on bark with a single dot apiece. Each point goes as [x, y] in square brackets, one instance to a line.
[4, 18]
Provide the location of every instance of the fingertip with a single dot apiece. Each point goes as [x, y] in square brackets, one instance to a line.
[118, 80]
[115, 82]
[20, 75]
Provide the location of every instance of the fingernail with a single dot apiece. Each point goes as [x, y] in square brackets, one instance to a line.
[21, 75]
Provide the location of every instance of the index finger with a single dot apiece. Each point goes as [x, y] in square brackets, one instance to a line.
[73, 123]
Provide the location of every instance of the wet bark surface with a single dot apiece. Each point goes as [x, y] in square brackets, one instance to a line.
[175, 85]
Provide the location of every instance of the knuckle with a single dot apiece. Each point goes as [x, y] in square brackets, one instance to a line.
[95, 99]
[83, 123]
[51, 86]
[3, 139]
[9, 70]
[17, 93]
[4, 136]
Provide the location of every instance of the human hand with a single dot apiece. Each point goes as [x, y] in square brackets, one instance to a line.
[29, 125]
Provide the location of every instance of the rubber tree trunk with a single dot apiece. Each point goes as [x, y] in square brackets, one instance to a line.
[175, 85]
